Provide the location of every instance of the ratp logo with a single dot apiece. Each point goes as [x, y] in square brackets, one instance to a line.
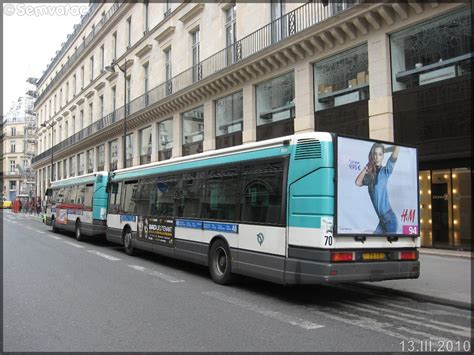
[260, 238]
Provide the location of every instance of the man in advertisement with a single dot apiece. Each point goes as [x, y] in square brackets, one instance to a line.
[376, 176]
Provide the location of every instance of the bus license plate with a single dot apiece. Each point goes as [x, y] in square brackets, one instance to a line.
[373, 256]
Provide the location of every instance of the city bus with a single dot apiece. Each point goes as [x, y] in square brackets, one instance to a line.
[301, 209]
[79, 205]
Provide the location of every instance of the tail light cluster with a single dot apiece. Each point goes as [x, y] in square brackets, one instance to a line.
[350, 256]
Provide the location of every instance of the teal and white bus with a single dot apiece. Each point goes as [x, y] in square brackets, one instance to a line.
[300, 209]
[79, 204]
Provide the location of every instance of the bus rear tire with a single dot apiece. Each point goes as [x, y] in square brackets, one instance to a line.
[78, 232]
[128, 242]
[220, 263]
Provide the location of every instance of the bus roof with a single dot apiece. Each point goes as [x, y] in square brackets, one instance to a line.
[82, 179]
[247, 151]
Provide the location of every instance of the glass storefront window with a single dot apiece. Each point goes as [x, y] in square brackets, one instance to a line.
[145, 142]
[165, 139]
[80, 164]
[342, 79]
[425, 208]
[275, 99]
[434, 50]
[462, 202]
[229, 114]
[129, 150]
[193, 126]
[113, 151]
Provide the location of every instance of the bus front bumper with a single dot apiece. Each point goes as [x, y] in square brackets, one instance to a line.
[299, 271]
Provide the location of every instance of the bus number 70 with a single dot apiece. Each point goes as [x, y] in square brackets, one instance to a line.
[328, 240]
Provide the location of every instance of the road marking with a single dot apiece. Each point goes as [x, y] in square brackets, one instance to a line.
[30, 228]
[424, 324]
[266, 312]
[72, 244]
[53, 236]
[103, 255]
[157, 274]
[412, 316]
[40, 232]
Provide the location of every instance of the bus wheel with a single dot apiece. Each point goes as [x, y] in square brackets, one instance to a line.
[128, 242]
[220, 263]
[53, 223]
[79, 236]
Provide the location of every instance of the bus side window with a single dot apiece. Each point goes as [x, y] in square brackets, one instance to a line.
[142, 198]
[221, 197]
[166, 190]
[129, 196]
[114, 197]
[262, 192]
[189, 203]
[88, 196]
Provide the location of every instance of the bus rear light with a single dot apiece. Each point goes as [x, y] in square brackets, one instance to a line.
[408, 255]
[333, 273]
[338, 256]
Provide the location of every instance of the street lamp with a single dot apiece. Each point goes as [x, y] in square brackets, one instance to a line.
[111, 69]
[50, 125]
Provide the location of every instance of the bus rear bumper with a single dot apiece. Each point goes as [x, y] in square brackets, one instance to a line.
[300, 271]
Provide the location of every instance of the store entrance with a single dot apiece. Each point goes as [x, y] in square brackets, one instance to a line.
[440, 214]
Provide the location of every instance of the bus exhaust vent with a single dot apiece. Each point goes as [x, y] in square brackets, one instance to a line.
[308, 148]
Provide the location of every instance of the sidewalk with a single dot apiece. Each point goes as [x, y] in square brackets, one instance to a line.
[445, 277]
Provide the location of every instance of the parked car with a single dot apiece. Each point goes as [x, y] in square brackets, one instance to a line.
[6, 203]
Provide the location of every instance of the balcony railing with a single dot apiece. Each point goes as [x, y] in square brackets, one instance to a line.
[72, 59]
[298, 20]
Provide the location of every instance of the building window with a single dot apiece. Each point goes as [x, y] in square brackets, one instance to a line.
[90, 160]
[101, 157]
[342, 79]
[229, 120]
[82, 77]
[275, 103]
[145, 145]
[12, 147]
[114, 46]
[193, 131]
[129, 32]
[277, 10]
[101, 106]
[81, 120]
[165, 139]
[60, 133]
[12, 166]
[13, 131]
[197, 73]
[74, 83]
[146, 75]
[92, 68]
[67, 92]
[114, 102]
[113, 151]
[102, 58]
[167, 9]
[64, 168]
[168, 73]
[91, 113]
[434, 50]
[146, 15]
[73, 125]
[230, 33]
[129, 92]
[129, 150]
[60, 98]
[80, 164]
[53, 172]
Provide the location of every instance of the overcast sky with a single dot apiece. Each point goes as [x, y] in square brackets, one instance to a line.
[32, 33]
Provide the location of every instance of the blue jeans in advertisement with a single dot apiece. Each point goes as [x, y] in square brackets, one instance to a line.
[387, 223]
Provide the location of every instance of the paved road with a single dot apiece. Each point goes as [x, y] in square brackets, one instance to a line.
[62, 295]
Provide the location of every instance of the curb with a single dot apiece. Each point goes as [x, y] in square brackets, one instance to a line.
[469, 256]
[419, 296]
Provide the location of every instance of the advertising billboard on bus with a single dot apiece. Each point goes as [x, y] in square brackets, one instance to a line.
[377, 188]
